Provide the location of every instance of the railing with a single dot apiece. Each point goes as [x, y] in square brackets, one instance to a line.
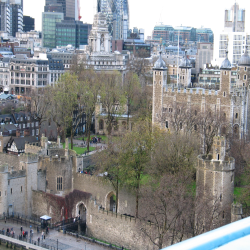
[27, 239]
[215, 239]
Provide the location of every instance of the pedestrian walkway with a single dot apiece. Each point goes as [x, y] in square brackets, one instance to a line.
[64, 241]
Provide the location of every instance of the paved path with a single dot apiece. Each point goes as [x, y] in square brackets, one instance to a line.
[64, 241]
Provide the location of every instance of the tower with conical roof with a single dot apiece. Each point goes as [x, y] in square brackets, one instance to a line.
[159, 83]
[185, 72]
[225, 77]
[243, 73]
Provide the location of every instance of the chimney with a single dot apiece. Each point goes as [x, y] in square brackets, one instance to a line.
[18, 134]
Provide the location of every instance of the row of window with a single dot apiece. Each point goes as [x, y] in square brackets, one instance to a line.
[11, 190]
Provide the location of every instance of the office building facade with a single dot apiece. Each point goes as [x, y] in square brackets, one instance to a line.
[117, 15]
[68, 7]
[11, 16]
[233, 38]
[28, 23]
[72, 32]
[49, 20]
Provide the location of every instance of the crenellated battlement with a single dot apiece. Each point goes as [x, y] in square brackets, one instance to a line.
[192, 91]
[49, 159]
[207, 163]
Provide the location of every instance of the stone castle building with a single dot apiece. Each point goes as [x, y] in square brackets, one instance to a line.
[215, 183]
[229, 102]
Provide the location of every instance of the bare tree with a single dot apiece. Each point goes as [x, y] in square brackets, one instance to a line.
[112, 98]
[40, 105]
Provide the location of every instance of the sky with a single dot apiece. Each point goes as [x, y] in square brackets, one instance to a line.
[146, 14]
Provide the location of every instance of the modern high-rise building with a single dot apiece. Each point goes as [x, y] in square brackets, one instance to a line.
[69, 8]
[28, 23]
[11, 16]
[235, 19]
[117, 15]
[72, 32]
[233, 38]
[49, 20]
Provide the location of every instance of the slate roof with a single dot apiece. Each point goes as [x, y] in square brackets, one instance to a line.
[20, 141]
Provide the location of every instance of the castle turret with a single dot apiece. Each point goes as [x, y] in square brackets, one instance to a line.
[243, 73]
[225, 77]
[184, 72]
[159, 83]
[215, 184]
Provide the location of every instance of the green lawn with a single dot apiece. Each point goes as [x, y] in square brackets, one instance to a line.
[239, 194]
[104, 137]
[79, 150]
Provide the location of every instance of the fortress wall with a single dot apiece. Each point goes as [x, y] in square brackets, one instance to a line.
[100, 188]
[57, 167]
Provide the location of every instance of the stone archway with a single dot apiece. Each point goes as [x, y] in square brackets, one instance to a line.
[110, 202]
[81, 217]
[81, 211]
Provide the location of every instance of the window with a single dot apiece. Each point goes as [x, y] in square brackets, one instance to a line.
[218, 157]
[23, 125]
[36, 124]
[195, 127]
[37, 132]
[236, 115]
[0, 194]
[8, 182]
[11, 190]
[245, 77]
[180, 125]
[21, 189]
[224, 94]
[33, 132]
[166, 124]
[59, 183]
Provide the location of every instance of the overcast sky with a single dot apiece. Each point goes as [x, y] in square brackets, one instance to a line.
[147, 13]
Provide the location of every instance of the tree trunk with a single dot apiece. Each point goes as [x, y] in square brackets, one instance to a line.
[128, 116]
[137, 199]
[71, 139]
[116, 201]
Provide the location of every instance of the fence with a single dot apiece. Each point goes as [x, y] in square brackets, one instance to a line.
[22, 240]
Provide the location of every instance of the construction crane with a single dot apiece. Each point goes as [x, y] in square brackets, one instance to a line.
[79, 10]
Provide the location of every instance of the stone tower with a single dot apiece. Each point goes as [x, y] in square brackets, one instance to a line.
[185, 72]
[225, 77]
[99, 38]
[3, 189]
[159, 83]
[215, 183]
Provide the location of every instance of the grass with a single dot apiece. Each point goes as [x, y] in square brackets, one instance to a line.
[79, 150]
[104, 137]
[240, 194]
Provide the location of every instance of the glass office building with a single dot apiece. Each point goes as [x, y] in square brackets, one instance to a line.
[68, 7]
[117, 13]
[49, 20]
[72, 32]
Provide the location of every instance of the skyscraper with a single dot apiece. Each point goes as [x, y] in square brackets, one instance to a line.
[235, 19]
[117, 14]
[69, 8]
[11, 16]
[233, 38]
